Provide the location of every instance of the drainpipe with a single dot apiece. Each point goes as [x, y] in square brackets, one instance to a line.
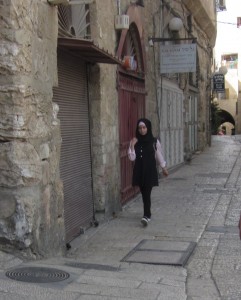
[118, 7]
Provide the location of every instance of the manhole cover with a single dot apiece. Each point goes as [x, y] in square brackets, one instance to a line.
[155, 252]
[37, 275]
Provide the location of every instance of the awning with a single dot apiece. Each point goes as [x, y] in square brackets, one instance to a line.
[88, 51]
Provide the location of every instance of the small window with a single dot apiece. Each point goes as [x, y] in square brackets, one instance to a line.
[239, 22]
[230, 60]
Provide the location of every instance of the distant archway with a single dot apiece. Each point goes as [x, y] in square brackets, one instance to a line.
[226, 117]
[227, 122]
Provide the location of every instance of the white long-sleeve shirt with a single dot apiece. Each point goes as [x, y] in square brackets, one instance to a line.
[159, 156]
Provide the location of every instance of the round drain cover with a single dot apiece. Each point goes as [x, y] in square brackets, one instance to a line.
[36, 274]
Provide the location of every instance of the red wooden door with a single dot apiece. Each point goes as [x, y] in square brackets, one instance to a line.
[131, 108]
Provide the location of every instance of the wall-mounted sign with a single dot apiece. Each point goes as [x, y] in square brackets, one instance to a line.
[178, 58]
[218, 83]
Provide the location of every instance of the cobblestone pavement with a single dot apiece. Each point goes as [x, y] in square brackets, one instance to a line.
[190, 249]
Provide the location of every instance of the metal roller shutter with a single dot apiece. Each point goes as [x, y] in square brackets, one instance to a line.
[75, 162]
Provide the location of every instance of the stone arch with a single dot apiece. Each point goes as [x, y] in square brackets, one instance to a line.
[135, 33]
[225, 116]
[227, 122]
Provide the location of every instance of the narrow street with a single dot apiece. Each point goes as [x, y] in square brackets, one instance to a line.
[190, 249]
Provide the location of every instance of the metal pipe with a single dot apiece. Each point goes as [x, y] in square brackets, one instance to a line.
[118, 7]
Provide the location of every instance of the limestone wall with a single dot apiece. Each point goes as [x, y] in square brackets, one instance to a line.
[31, 199]
[31, 192]
[104, 112]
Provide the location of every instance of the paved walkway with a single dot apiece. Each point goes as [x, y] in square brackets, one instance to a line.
[190, 250]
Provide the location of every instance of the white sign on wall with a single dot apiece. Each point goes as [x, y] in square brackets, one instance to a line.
[178, 58]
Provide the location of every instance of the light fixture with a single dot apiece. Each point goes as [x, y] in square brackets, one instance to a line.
[223, 70]
[150, 41]
[175, 24]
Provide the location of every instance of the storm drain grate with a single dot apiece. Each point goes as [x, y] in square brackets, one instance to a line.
[155, 252]
[37, 274]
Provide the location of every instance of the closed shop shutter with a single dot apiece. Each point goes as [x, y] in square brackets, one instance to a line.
[75, 163]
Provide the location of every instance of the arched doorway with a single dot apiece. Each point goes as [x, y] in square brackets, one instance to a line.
[131, 96]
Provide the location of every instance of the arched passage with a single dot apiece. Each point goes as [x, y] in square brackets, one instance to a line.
[226, 117]
[226, 122]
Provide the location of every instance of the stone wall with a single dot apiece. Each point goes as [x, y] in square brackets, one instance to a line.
[31, 198]
[31, 194]
[157, 15]
[104, 113]
[204, 51]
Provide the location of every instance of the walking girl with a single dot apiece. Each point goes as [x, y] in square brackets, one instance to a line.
[146, 151]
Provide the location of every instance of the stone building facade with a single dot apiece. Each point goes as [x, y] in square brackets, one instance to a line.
[227, 54]
[40, 65]
[31, 194]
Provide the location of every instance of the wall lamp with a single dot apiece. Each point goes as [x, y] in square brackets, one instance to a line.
[175, 24]
[223, 70]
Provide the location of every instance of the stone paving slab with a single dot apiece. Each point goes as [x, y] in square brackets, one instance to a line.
[8, 261]
[188, 206]
[33, 291]
[202, 287]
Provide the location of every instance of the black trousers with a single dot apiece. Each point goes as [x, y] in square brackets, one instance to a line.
[146, 197]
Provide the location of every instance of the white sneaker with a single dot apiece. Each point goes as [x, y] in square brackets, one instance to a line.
[145, 221]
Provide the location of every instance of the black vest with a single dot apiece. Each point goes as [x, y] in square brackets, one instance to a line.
[145, 171]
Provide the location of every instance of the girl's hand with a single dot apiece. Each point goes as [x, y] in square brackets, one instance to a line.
[164, 172]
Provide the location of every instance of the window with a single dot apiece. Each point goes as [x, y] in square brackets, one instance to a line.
[239, 22]
[220, 5]
[230, 60]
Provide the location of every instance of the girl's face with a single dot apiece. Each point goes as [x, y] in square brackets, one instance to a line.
[142, 129]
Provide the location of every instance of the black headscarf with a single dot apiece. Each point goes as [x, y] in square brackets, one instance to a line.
[148, 137]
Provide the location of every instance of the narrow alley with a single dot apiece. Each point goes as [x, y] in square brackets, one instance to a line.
[190, 249]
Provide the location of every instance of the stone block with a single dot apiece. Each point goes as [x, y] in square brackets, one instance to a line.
[44, 151]
[7, 203]
[19, 164]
